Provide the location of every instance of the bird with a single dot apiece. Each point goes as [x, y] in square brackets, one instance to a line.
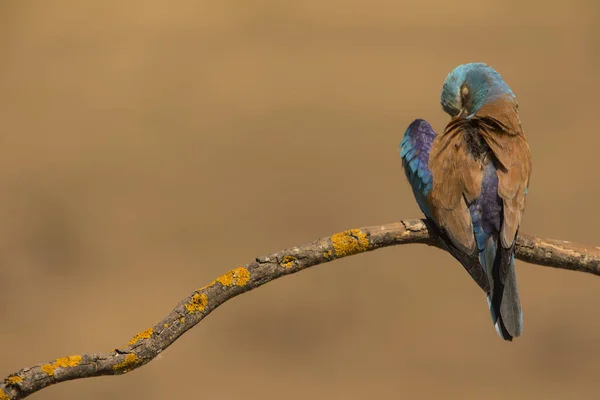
[471, 182]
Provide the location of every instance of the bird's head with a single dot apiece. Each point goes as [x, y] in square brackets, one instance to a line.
[470, 86]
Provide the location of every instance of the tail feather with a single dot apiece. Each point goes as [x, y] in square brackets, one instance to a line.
[510, 303]
[503, 298]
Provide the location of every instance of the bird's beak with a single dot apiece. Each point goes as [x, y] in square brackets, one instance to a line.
[463, 114]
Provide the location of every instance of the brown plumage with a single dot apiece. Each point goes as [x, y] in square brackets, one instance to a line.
[506, 140]
[471, 182]
[457, 161]
[457, 172]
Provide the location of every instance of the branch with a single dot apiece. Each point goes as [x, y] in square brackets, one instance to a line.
[146, 345]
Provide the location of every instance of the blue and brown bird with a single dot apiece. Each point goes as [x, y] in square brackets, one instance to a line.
[471, 182]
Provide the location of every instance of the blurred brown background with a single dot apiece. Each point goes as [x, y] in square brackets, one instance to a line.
[147, 147]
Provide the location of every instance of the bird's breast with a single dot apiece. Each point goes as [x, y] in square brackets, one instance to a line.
[476, 144]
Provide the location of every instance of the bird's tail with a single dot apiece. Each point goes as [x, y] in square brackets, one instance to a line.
[503, 300]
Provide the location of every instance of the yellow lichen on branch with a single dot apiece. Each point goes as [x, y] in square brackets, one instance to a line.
[197, 304]
[64, 362]
[48, 369]
[142, 335]
[288, 261]
[130, 361]
[349, 242]
[13, 380]
[238, 277]
[71, 361]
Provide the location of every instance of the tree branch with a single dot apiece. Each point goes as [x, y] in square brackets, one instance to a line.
[146, 345]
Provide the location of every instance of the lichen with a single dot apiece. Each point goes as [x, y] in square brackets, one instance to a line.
[197, 304]
[142, 335]
[182, 320]
[64, 362]
[130, 361]
[238, 277]
[48, 369]
[288, 261]
[349, 242]
[3, 395]
[13, 380]
[327, 254]
[166, 326]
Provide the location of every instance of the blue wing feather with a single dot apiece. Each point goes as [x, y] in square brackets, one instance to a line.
[414, 151]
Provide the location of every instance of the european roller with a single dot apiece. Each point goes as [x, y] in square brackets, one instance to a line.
[471, 182]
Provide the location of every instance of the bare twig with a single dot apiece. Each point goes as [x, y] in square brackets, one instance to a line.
[146, 345]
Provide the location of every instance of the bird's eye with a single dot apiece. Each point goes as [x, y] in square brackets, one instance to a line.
[464, 91]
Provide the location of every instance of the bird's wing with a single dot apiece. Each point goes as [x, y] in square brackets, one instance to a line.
[502, 131]
[513, 178]
[414, 151]
[459, 183]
